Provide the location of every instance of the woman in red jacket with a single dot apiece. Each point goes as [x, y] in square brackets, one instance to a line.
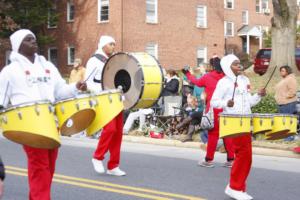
[209, 82]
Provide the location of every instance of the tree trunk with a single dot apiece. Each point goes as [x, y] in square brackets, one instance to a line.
[284, 24]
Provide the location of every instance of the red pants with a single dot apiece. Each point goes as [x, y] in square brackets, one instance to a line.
[41, 167]
[110, 140]
[213, 137]
[242, 163]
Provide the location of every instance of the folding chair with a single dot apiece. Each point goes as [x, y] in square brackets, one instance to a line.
[169, 106]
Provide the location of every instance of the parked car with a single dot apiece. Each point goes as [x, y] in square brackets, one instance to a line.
[263, 57]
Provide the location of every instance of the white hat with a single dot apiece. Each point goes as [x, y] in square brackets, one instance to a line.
[17, 38]
[104, 40]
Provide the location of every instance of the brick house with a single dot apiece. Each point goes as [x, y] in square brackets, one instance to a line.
[176, 32]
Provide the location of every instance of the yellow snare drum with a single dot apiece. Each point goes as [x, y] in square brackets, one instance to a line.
[108, 105]
[262, 122]
[140, 76]
[31, 124]
[233, 125]
[286, 125]
[75, 114]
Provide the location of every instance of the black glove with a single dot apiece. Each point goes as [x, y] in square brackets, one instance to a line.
[185, 69]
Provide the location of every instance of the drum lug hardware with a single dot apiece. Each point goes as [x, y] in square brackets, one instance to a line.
[4, 119]
[121, 98]
[62, 109]
[224, 122]
[91, 103]
[241, 122]
[110, 98]
[77, 106]
[51, 109]
[37, 110]
[20, 115]
[260, 122]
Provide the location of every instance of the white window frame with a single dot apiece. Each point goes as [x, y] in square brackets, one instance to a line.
[152, 19]
[227, 1]
[204, 49]
[201, 22]
[70, 62]
[69, 4]
[246, 12]
[49, 55]
[49, 13]
[225, 29]
[152, 47]
[261, 9]
[298, 2]
[7, 55]
[102, 3]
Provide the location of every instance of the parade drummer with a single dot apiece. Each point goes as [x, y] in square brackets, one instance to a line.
[232, 93]
[31, 78]
[111, 135]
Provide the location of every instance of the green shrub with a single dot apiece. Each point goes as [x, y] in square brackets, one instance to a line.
[266, 105]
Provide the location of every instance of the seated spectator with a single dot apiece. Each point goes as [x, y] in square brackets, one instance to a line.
[141, 114]
[194, 117]
[171, 84]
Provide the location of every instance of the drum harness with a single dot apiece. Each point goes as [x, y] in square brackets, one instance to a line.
[102, 59]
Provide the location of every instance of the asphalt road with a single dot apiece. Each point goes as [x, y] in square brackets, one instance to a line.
[153, 172]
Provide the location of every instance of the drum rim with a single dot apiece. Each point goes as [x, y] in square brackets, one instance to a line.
[234, 115]
[130, 54]
[26, 104]
[110, 91]
[284, 115]
[81, 96]
[262, 115]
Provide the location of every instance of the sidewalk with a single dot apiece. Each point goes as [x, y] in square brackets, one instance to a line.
[259, 147]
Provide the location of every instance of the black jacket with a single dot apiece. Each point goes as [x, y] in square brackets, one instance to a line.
[2, 172]
[171, 88]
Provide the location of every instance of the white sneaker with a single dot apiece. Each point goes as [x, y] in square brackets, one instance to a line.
[98, 166]
[238, 195]
[116, 172]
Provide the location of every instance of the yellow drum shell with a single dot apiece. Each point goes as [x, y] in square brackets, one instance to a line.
[108, 105]
[234, 125]
[262, 123]
[290, 125]
[140, 76]
[281, 125]
[31, 124]
[152, 80]
[75, 114]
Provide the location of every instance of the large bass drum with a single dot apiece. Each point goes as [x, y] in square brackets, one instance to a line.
[139, 75]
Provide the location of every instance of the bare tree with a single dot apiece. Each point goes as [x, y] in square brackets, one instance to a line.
[284, 26]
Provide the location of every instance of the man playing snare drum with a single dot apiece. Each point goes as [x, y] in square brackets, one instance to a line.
[31, 78]
[233, 95]
[111, 136]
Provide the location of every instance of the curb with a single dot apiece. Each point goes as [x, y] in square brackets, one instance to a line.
[259, 148]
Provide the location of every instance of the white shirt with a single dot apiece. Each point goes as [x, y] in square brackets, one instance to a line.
[23, 81]
[243, 100]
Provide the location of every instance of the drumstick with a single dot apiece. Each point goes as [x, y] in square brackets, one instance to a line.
[90, 75]
[234, 88]
[270, 77]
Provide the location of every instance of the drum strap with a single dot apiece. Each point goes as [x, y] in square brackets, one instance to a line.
[100, 57]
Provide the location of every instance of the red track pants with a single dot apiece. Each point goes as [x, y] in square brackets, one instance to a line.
[242, 163]
[41, 167]
[213, 137]
[110, 140]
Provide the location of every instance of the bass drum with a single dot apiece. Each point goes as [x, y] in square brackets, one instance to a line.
[139, 75]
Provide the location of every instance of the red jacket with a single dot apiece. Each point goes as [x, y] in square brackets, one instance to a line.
[208, 81]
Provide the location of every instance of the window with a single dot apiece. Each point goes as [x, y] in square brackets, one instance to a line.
[201, 17]
[229, 4]
[53, 56]
[151, 11]
[70, 11]
[152, 49]
[103, 11]
[71, 55]
[201, 55]
[262, 6]
[245, 17]
[7, 60]
[52, 17]
[229, 28]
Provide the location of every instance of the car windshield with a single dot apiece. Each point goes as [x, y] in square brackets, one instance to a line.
[264, 53]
